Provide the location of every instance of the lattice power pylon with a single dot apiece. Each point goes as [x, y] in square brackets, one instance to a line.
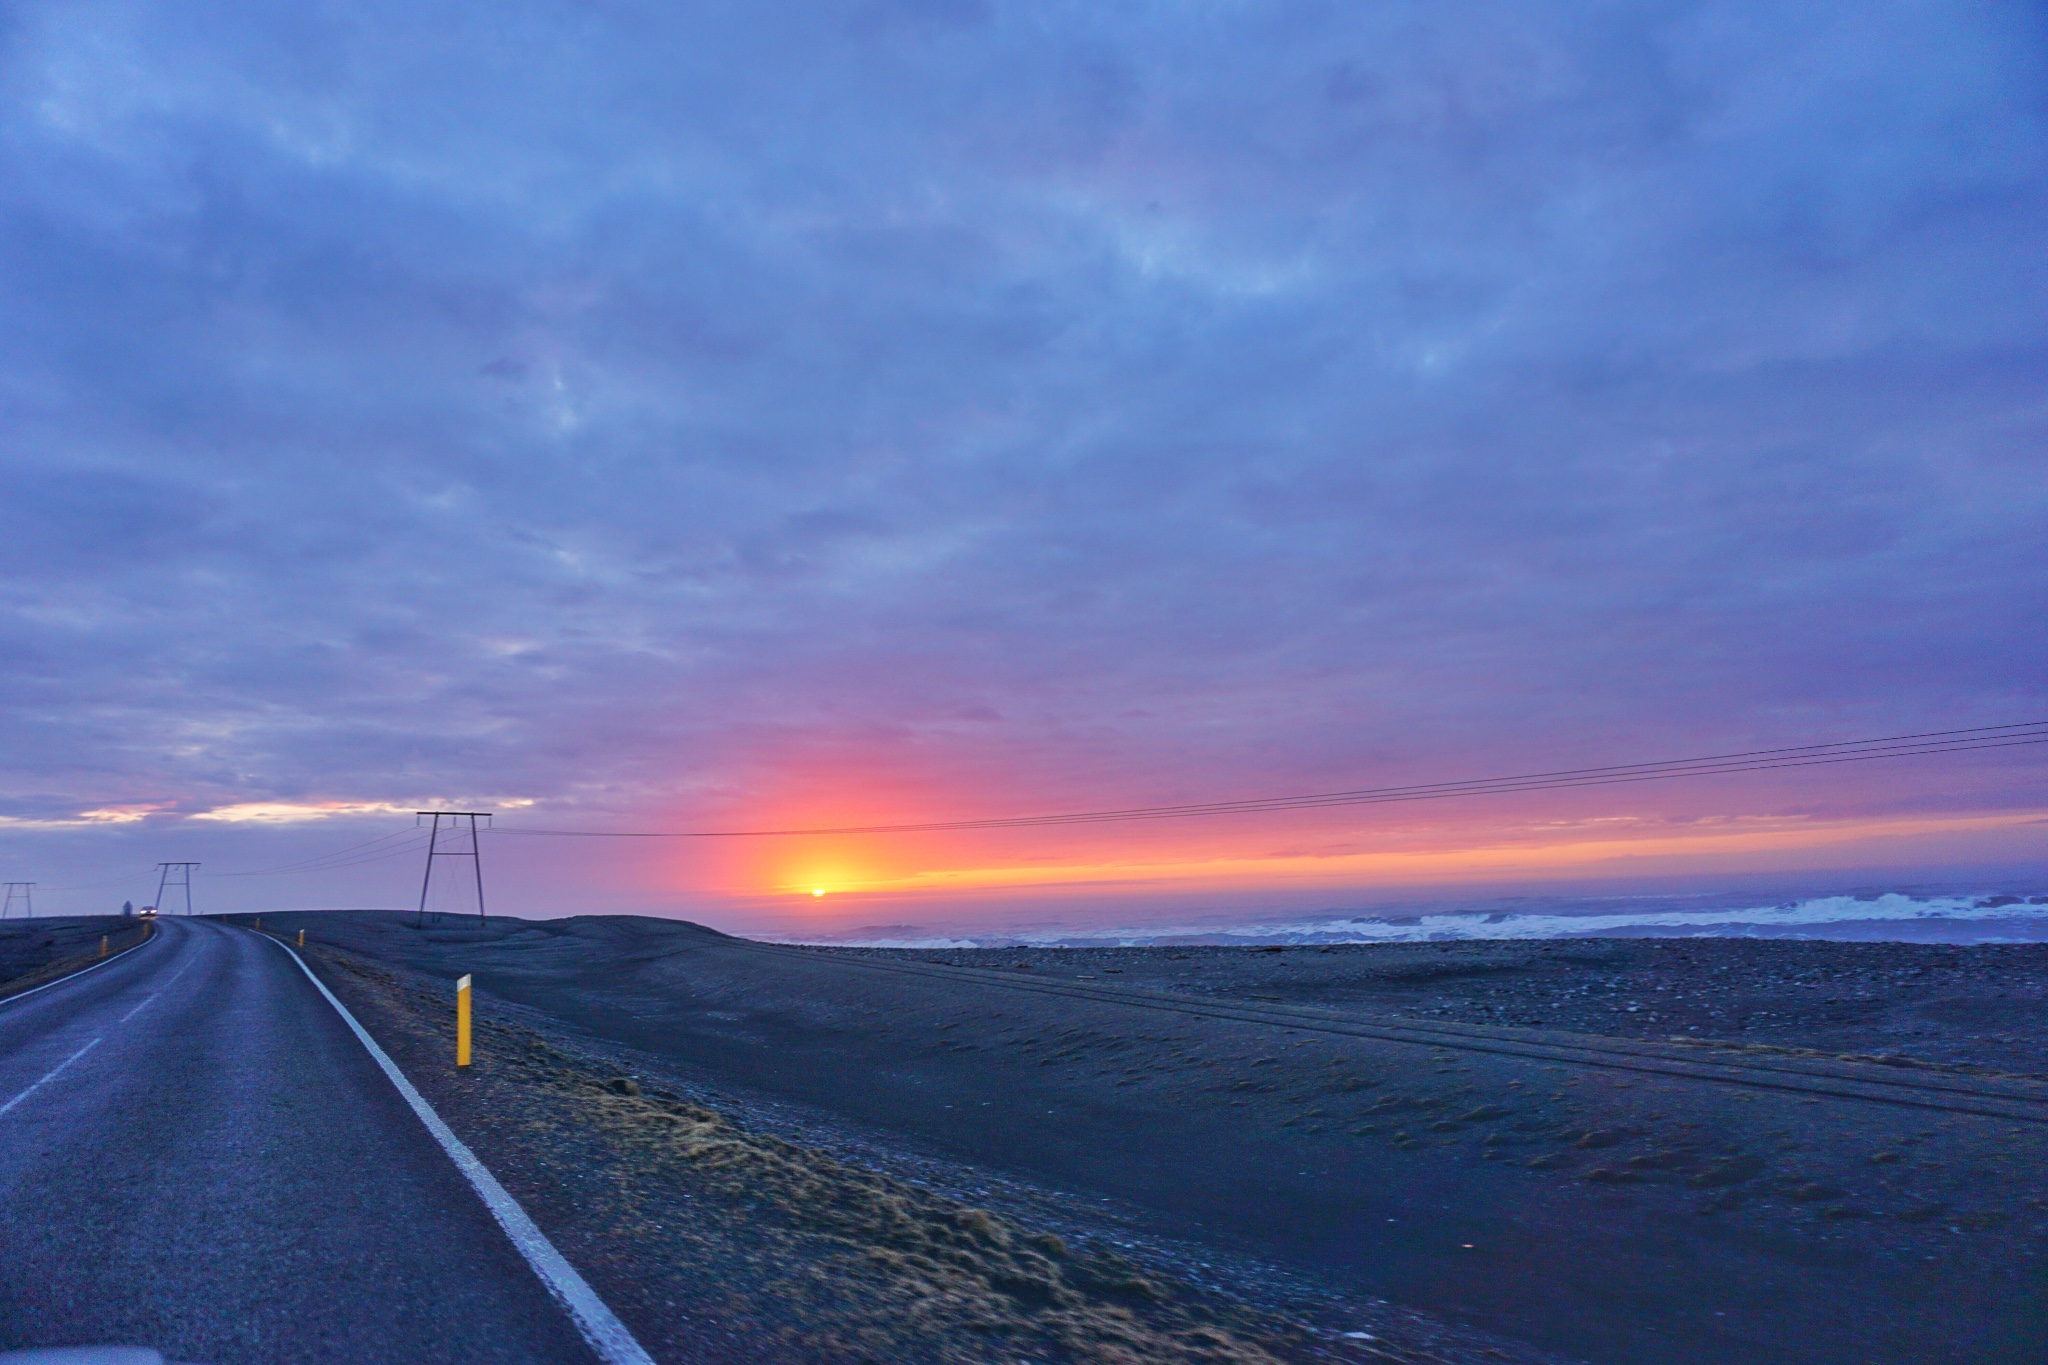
[23, 892]
[174, 874]
[474, 852]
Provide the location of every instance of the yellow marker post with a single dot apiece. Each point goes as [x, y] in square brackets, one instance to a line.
[103, 945]
[259, 921]
[462, 1022]
[302, 938]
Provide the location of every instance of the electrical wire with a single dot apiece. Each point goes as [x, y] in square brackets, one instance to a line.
[324, 862]
[1754, 760]
[110, 881]
[406, 842]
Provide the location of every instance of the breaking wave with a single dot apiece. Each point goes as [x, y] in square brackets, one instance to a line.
[1868, 917]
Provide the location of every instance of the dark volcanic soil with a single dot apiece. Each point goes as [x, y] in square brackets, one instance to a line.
[1608, 1214]
[743, 1233]
[1983, 1007]
[33, 951]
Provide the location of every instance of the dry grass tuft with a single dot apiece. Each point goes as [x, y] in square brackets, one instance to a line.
[949, 1268]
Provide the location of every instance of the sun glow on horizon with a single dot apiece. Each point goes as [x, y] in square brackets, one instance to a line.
[1582, 847]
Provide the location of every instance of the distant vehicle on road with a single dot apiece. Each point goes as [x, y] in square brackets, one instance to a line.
[147, 910]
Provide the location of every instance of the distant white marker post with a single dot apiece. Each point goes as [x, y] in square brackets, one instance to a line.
[462, 1021]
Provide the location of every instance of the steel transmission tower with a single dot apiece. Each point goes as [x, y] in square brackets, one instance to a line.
[20, 891]
[174, 874]
[474, 852]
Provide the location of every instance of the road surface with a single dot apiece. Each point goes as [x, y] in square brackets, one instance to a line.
[196, 1155]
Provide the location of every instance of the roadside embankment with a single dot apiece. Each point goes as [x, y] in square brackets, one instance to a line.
[35, 952]
[1609, 1195]
[718, 1241]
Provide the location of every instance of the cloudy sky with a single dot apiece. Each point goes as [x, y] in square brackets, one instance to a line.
[648, 416]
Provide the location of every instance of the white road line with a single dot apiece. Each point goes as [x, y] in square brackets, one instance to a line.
[151, 998]
[73, 976]
[49, 1076]
[599, 1325]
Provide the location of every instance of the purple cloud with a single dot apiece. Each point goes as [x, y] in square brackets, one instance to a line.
[610, 405]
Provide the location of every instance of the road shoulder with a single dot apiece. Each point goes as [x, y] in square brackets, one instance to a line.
[716, 1240]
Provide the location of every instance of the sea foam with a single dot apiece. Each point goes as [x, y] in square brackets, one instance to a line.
[1895, 916]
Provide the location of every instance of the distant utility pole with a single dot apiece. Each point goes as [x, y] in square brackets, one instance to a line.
[474, 852]
[174, 874]
[19, 891]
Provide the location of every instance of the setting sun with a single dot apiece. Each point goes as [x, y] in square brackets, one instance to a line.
[817, 891]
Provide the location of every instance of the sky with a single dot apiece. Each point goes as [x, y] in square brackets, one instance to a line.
[680, 416]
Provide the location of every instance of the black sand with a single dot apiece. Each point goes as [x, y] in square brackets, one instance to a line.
[1612, 1214]
[733, 1232]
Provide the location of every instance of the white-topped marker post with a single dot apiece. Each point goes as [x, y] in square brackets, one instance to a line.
[462, 1021]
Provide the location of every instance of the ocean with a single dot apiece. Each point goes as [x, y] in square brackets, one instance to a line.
[1910, 916]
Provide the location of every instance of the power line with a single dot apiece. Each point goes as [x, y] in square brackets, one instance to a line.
[406, 842]
[325, 862]
[1754, 760]
[396, 851]
[404, 850]
[139, 872]
[333, 860]
[323, 857]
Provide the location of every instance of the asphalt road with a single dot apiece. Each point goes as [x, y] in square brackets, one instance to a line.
[197, 1156]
